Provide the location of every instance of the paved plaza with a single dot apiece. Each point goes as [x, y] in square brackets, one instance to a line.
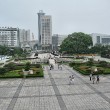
[53, 92]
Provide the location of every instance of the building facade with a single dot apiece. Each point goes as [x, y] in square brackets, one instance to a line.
[57, 41]
[9, 36]
[24, 37]
[44, 31]
[100, 39]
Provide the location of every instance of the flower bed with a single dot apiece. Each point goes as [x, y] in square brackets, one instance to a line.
[16, 71]
[86, 70]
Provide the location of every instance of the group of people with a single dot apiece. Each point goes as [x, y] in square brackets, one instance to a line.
[94, 78]
[71, 79]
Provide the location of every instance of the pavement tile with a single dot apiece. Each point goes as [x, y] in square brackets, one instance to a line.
[7, 92]
[37, 103]
[4, 103]
[85, 102]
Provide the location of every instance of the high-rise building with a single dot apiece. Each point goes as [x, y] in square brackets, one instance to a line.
[44, 31]
[9, 36]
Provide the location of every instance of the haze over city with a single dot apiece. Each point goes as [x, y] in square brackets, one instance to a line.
[89, 16]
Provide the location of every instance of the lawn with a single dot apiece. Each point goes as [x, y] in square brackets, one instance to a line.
[11, 74]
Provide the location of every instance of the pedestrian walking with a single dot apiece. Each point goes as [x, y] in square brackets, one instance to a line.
[50, 67]
[58, 65]
[93, 78]
[71, 79]
[97, 80]
[90, 76]
[61, 67]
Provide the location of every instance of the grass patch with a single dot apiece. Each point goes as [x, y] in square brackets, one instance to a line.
[12, 74]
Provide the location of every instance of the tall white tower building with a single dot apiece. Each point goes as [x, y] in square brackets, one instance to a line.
[44, 31]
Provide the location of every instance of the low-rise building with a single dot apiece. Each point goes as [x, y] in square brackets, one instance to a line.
[100, 39]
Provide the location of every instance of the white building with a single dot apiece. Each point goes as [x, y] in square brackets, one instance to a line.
[44, 31]
[100, 39]
[9, 36]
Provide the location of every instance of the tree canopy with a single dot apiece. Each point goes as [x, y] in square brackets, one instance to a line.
[77, 42]
[13, 51]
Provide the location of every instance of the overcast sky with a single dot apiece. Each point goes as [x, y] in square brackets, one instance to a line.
[68, 16]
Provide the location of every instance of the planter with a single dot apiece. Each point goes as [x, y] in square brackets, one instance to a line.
[25, 73]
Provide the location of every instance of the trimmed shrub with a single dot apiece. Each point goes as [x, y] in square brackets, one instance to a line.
[27, 66]
[100, 71]
[10, 66]
[38, 66]
[103, 63]
[3, 71]
[90, 62]
[1, 63]
[71, 64]
[88, 70]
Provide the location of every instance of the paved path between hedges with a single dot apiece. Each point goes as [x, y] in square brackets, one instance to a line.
[53, 92]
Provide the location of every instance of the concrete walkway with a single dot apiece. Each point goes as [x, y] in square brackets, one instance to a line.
[53, 92]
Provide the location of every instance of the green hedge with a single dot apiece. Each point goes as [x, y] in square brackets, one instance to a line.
[1, 63]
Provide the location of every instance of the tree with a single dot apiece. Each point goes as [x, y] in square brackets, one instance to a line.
[76, 43]
[27, 66]
[96, 49]
[4, 50]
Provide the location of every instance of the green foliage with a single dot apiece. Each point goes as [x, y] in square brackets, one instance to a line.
[10, 66]
[38, 66]
[4, 50]
[103, 63]
[15, 51]
[76, 43]
[90, 62]
[2, 71]
[100, 71]
[103, 50]
[8, 72]
[96, 49]
[71, 64]
[88, 71]
[27, 66]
